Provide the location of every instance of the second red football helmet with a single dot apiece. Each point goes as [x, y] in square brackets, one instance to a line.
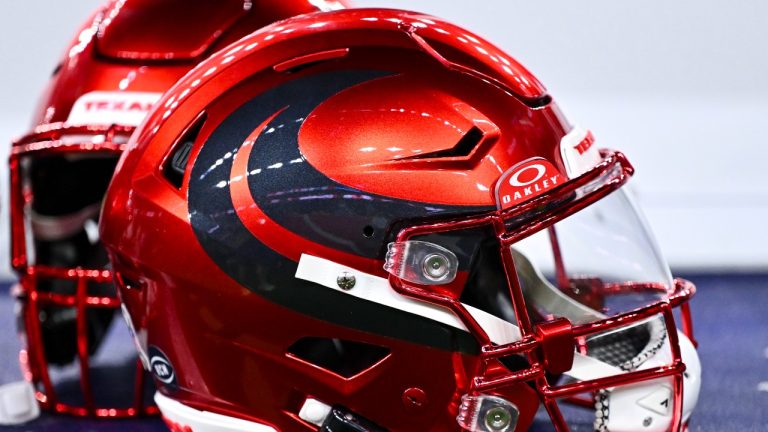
[125, 56]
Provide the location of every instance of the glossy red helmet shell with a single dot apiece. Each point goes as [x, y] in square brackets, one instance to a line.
[120, 62]
[252, 217]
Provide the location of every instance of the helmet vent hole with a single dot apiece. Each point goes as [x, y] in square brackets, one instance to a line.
[300, 63]
[471, 140]
[368, 231]
[342, 357]
[176, 163]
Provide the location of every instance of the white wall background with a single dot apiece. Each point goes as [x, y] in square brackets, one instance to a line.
[681, 87]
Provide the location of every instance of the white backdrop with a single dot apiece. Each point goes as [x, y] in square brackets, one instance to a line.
[681, 87]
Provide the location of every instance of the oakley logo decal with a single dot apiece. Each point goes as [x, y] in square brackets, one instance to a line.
[515, 179]
[524, 181]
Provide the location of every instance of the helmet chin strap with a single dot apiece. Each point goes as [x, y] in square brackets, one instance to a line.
[647, 406]
[642, 407]
[18, 404]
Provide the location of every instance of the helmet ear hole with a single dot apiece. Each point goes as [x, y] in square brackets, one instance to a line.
[176, 163]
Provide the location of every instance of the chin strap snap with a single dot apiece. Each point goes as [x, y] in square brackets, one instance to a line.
[18, 404]
[335, 418]
[557, 345]
[342, 420]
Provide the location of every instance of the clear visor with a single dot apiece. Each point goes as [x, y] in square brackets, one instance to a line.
[599, 262]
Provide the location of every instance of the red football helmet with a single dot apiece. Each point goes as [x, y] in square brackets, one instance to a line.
[126, 55]
[371, 220]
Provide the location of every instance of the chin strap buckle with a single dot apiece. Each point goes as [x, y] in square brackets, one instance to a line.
[18, 404]
[341, 419]
[557, 345]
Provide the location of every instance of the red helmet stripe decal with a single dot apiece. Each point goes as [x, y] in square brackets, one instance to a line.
[255, 204]
[272, 234]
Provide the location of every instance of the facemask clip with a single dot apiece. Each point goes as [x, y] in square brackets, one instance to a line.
[557, 345]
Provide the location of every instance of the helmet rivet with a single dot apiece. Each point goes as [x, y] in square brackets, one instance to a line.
[647, 421]
[436, 266]
[414, 398]
[346, 281]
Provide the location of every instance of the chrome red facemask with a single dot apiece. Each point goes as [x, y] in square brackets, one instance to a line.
[67, 301]
[545, 339]
[110, 76]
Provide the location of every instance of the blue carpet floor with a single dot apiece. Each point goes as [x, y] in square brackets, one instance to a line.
[731, 323]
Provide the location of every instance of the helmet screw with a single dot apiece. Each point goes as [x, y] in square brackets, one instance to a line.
[414, 398]
[346, 281]
[647, 421]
